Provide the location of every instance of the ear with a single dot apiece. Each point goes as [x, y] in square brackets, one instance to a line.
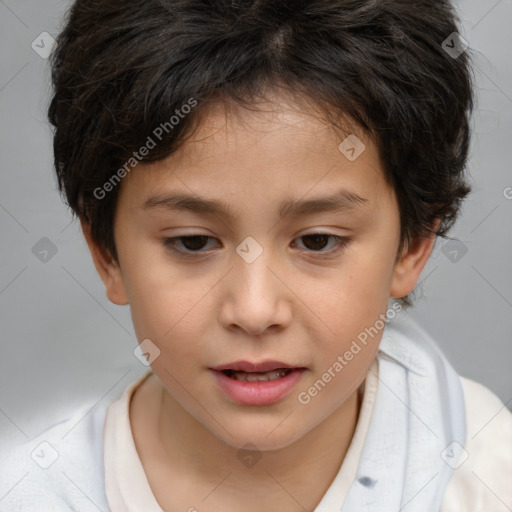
[107, 268]
[412, 261]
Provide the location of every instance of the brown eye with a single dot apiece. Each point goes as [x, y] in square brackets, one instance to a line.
[316, 242]
[192, 244]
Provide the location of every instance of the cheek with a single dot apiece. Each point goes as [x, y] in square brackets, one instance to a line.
[167, 311]
[370, 273]
[170, 309]
[157, 291]
[353, 308]
[358, 292]
[344, 358]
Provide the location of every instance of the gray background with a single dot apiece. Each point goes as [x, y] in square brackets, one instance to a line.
[64, 344]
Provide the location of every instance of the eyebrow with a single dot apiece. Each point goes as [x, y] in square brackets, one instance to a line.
[343, 200]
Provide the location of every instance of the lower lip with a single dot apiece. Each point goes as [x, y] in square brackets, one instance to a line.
[258, 393]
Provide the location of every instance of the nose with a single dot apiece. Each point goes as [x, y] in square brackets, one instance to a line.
[255, 297]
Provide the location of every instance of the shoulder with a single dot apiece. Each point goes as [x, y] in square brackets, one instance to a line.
[58, 469]
[481, 481]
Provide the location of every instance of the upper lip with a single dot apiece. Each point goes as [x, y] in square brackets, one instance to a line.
[247, 366]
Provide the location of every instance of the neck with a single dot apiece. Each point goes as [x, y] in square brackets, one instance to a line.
[320, 452]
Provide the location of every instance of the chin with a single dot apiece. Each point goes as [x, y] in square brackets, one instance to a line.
[258, 438]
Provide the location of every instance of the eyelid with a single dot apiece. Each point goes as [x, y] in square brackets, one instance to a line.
[170, 241]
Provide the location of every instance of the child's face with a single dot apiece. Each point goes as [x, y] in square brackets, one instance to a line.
[300, 301]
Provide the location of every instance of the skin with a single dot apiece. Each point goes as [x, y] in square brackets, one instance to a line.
[298, 302]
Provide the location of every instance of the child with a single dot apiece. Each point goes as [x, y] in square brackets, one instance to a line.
[263, 183]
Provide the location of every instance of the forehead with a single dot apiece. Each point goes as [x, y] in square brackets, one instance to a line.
[276, 126]
[280, 152]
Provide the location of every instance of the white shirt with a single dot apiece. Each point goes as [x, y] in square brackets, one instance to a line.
[98, 467]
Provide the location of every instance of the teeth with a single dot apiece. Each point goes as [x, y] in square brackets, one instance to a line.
[259, 376]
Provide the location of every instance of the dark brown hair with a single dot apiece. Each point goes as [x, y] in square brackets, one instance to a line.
[122, 68]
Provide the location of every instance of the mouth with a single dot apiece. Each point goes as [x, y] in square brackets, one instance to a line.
[278, 373]
[248, 371]
[261, 383]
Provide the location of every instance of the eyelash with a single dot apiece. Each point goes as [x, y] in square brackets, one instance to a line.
[169, 243]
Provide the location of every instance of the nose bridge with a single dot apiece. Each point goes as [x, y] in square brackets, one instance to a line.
[252, 268]
[255, 293]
